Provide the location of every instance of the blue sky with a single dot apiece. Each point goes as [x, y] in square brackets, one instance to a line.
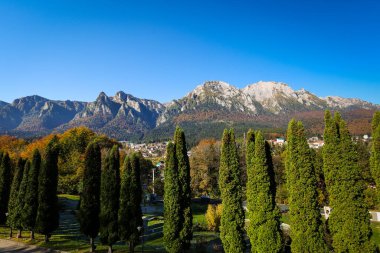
[73, 49]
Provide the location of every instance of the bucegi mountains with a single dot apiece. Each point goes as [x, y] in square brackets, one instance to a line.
[205, 110]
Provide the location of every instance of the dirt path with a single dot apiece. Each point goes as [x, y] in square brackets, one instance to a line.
[17, 247]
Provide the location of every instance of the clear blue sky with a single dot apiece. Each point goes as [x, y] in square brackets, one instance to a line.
[73, 49]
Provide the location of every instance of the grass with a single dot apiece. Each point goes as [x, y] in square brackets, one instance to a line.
[376, 233]
[199, 212]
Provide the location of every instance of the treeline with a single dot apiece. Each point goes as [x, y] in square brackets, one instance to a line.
[29, 197]
[348, 226]
[72, 145]
[109, 203]
[111, 192]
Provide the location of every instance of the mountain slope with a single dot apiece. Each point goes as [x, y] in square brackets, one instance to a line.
[203, 112]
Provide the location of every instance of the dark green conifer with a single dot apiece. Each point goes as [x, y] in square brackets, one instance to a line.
[48, 210]
[232, 220]
[375, 120]
[12, 219]
[305, 218]
[349, 221]
[186, 233]
[29, 213]
[20, 202]
[90, 197]
[130, 215]
[250, 154]
[5, 185]
[375, 150]
[264, 216]
[172, 205]
[109, 198]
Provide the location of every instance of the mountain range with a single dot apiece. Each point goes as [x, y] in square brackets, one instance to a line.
[204, 112]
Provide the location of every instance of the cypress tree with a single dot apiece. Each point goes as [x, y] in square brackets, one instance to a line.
[375, 120]
[21, 200]
[349, 221]
[186, 233]
[172, 205]
[109, 198]
[48, 210]
[12, 220]
[90, 197]
[5, 185]
[130, 215]
[305, 218]
[375, 150]
[232, 220]
[264, 226]
[29, 213]
[249, 155]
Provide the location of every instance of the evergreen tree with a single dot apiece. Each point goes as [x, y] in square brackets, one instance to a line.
[264, 226]
[12, 220]
[232, 221]
[48, 210]
[249, 155]
[109, 198]
[375, 150]
[19, 209]
[90, 197]
[29, 213]
[172, 206]
[130, 215]
[349, 221]
[375, 120]
[186, 233]
[5, 185]
[305, 218]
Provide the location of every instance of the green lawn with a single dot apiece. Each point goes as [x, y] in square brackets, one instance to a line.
[376, 233]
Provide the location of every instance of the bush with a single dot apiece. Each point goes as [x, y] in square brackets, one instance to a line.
[213, 215]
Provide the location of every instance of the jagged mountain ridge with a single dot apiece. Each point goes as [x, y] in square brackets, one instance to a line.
[124, 116]
[262, 98]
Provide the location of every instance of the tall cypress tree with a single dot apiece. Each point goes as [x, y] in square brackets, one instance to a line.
[375, 150]
[232, 220]
[172, 205]
[109, 198]
[349, 221]
[264, 226]
[306, 224]
[48, 210]
[12, 219]
[5, 185]
[29, 213]
[186, 233]
[249, 155]
[130, 215]
[375, 120]
[21, 200]
[90, 197]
